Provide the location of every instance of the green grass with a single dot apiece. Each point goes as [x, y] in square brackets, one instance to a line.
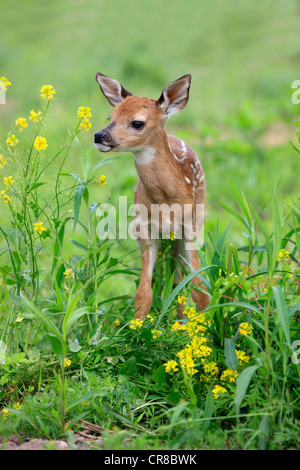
[240, 120]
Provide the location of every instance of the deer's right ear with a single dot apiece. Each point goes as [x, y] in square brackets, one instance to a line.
[111, 89]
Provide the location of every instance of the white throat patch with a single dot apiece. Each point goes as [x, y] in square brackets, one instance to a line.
[144, 155]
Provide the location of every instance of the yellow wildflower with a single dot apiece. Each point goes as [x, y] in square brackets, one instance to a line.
[8, 181]
[283, 255]
[229, 375]
[19, 319]
[2, 161]
[12, 140]
[242, 357]
[40, 143]
[4, 83]
[102, 180]
[172, 236]
[150, 318]
[136, 323]
[177, 326]
[218, 390]
[84, 112]
[67, 362]
[5, 413]
[199, 348]
[21, 123]
[190, 312]
[186, 360]
[181, 299]
[17, 406]
[34, 117]
[171, 366]
[85, 124]
[211, 368]
[47, 92]
[39, 227]
[245, 328]
[117, 322]
[69, 274]
[5, 197]
[156, 333]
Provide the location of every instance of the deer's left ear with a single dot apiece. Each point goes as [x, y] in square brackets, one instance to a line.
[113, 91]
[175, 96]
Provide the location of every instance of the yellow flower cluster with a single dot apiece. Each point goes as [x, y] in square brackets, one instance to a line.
[172, 236]
[243, 358]
[171, 366]
[21, 123]
[12, 140]
[283, 255]
[245, 328]
[196, 323]
[2, 161]
[39, 227]
[102, 180]
[229, 375]
[40, 143]
[84, 113]
[6, 413]
[67, 362]
[156, 333]
[5, 197]
[35, 117]
[4, 83]
[210, 369]
[135, 324]
[8, 181]
[218, 390]
[69, 274]
[181, 299]
[47, 92]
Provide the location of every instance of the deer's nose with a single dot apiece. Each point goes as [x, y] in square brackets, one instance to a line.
[99, 137]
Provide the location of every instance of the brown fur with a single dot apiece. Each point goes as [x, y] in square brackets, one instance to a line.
[169, 171]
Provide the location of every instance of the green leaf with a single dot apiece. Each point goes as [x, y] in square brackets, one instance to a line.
[50, 327]
[78, 245]
[129, 367]
[159, 375]
[282, 312]
[77, 202]
[173, 398]
[242, 383]
[105, 161]
[231, 359]
[208, 411]
[58, 347]
[73, 346]
[264, 432]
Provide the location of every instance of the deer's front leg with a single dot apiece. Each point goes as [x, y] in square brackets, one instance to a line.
[144, 295]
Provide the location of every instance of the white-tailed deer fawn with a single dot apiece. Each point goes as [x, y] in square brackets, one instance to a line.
[169, 176]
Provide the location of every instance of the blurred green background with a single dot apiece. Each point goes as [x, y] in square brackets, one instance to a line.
[243, 57]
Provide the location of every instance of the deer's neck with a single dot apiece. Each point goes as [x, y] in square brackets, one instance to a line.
[156, 169]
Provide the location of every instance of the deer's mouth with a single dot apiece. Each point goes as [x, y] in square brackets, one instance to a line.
[103, 147]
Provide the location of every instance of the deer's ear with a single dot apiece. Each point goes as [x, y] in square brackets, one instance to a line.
[111, 89]
[175, 96]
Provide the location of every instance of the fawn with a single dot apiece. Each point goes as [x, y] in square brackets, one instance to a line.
[169, 175]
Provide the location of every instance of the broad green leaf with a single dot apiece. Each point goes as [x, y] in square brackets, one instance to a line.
[282, 312]
[231, 359]
[242, 384]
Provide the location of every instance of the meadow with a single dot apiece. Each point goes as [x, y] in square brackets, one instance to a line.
[70, 351]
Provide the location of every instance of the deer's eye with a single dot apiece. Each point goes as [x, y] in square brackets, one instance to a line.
[137, 124]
